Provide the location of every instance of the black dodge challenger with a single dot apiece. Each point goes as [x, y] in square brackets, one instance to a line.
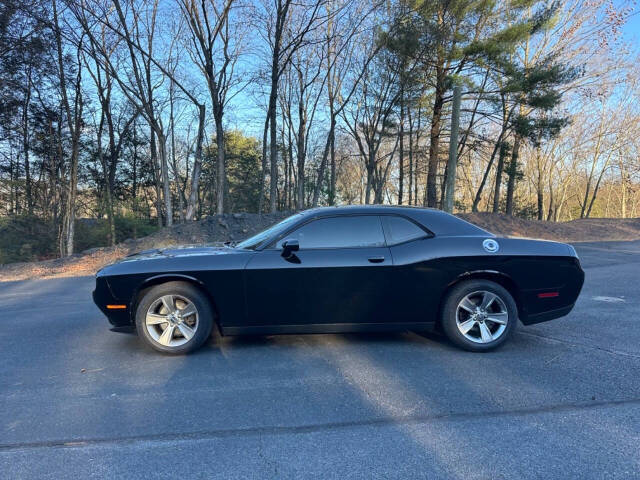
[344, 269]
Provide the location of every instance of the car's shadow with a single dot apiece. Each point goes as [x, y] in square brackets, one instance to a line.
[363, 338]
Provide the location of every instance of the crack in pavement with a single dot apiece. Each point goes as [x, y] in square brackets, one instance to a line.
[583, 345]
[302, 429]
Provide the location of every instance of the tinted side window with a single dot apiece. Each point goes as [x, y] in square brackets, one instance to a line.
[401, 230]
[339, 232]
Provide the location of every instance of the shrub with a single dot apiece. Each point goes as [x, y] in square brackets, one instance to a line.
[25, 238]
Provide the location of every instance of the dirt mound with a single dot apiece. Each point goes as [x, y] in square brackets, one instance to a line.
[210, 230]
[237, 226]
[232, 227]
[581, 230]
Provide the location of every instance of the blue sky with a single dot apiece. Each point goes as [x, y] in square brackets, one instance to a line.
[632, 28]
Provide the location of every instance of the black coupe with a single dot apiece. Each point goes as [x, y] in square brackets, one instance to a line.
[344, 269]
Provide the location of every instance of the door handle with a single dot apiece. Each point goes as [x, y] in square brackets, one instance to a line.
[379, 259]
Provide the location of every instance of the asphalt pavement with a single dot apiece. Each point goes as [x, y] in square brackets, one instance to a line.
[560, 400]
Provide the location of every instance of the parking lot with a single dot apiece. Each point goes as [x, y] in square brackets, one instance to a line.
[561, 399]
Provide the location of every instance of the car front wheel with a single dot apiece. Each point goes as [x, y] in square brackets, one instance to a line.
[479, 315]
[174, 318]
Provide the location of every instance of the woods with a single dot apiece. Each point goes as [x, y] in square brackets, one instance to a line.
[137, 114]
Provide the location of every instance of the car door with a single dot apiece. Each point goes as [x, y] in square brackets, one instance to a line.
[415, 282]
[338, 275]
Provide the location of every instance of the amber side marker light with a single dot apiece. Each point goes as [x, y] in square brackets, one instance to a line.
[548, 294]
[116, 307]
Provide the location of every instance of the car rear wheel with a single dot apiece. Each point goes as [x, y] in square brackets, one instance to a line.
[479, 315]
[174, 318]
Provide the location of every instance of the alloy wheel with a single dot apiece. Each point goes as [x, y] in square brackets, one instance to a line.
[482, 316]
[172, 320]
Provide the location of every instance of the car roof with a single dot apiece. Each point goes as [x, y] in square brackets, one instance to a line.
[437, 221]
[351, 209]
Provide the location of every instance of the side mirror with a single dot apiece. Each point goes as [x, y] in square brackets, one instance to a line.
[289, 246]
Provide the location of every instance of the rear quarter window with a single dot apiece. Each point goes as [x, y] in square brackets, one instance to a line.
[400, 230]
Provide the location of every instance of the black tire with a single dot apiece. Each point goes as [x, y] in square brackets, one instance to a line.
[181, 290]
[449, 322]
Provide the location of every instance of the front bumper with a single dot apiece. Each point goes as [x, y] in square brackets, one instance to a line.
[102, 297]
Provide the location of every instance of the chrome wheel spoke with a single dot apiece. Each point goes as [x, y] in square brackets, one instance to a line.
[485, 333]
[487, 299]
[167, 336]
[186, 330]
[468, 305]
[500, 318]
[156, 319]
[169, 303]
[466, 326]
[187, 311]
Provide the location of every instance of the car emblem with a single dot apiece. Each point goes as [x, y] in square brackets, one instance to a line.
[491, 245]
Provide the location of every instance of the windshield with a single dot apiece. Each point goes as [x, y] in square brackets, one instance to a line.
[252, 242]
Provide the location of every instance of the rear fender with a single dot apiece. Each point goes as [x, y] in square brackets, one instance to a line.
[492, 275]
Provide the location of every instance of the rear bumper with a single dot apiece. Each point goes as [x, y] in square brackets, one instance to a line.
[539, 306]
[548, 315]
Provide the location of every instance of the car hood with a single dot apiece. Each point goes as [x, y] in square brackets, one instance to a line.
[179, 251]
[179, 258]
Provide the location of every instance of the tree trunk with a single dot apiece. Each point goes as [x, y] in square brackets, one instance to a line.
[273, 155]
[323, 165]
[221, 168]
[272, 114]
[263, 178]
[478, 197]
[174, 163]
[401, 149]
[540, 185]
[332, 152]
[332, 179]
[197, 166]
[450, 183]
[285, 162]
[156, 175]
[302, 141]
[292, 173]
[410, 156]
[74, 121]
[431, 194]
[623, 193]
[105, 176]
[540, 198]
[367, 194]
[166, 186]
[512, 172]
[496, 193]
[595, 191]
[25, 143]
[134, 171]
[551, 197]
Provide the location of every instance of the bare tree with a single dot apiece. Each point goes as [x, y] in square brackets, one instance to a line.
[285, 34]
[74, 124]
[216, 48]
[369, 120]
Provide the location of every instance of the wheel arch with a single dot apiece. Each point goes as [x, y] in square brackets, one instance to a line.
[172, 277]
[500, 278]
